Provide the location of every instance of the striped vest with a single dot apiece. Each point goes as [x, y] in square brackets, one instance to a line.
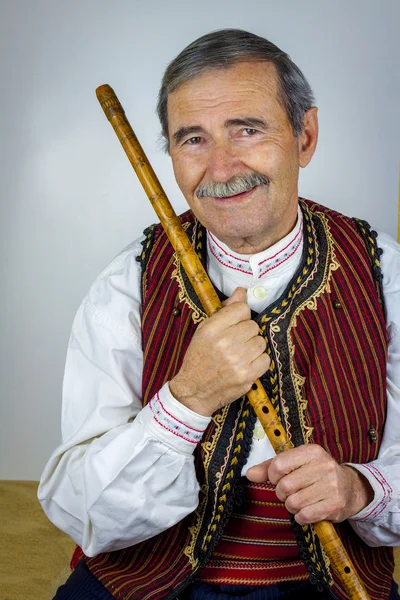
[258, 545]
[327, 344]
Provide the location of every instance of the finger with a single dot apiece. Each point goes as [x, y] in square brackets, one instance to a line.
[306, 497]
[297, 480]
[295, 458]
[320, 511]
[258, 367]
[231, 314]
[259, 473]
[239, 295]
[245, 331]
[255, 348]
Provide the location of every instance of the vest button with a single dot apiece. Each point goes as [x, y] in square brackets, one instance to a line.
[177, 312]
[337, 304]
[373, 436]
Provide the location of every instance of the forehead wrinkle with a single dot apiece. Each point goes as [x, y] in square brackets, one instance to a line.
[212, 94]
[198, 95]
[250, 77]
[196, 112]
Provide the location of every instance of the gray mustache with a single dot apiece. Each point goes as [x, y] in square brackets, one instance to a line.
[236, 185]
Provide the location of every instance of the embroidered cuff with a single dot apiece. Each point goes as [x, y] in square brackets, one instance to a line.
[383, 493]
[173, 423]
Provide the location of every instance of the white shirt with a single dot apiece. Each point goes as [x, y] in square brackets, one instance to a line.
[124, 473]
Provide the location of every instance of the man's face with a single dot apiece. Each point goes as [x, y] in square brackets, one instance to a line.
[229, 123]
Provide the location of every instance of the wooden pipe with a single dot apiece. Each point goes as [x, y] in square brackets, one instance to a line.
[339, 559]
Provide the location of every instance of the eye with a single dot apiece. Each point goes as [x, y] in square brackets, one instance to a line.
[250, 131]
[194, 140]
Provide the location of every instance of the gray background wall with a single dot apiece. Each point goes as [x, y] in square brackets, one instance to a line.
[69, 198]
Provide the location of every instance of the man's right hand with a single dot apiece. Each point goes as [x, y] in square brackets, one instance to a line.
[224, 358]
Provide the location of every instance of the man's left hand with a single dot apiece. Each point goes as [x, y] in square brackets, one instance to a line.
[313, 486]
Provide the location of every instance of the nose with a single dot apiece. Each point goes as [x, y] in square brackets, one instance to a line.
[223, 162]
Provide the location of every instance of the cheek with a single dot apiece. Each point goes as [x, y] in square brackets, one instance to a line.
[186, 173]
[264, 159]
[275, 159]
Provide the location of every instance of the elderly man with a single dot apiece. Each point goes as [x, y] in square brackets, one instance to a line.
[165, 478]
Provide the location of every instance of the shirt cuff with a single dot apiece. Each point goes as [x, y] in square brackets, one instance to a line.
[383, 493]
[173, 423]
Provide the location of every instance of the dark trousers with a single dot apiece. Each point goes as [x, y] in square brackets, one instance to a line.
[287, 591]
[292, 590]
[82, 585]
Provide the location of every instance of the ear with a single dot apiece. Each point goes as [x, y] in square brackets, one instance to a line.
[308, 138]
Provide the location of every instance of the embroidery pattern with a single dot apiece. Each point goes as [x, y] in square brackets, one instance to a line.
[284, 254]
[387, 493]
[226, 259]
[221, 496]
[172, 424]
[215, 507]
[243, 265]
[208, 449]
[179, 274]
[330, 265]
[144, 255]
[274, 328]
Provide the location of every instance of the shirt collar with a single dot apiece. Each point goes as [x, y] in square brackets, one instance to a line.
[272, 261]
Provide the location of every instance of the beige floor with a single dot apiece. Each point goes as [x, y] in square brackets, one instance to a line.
[34, 555]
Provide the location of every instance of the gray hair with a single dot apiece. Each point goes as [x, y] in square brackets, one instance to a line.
[223, 48]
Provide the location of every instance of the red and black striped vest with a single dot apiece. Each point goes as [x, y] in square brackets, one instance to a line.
[327, 343]
[258, 545]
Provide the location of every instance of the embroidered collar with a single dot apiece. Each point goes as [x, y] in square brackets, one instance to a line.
[258, 265]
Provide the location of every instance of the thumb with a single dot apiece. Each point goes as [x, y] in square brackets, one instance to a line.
[259, 473]
[239, 295]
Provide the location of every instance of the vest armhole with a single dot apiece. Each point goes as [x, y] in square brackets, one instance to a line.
[143, 257]
[369, 237]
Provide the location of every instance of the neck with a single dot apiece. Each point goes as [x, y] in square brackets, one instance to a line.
[255, 244]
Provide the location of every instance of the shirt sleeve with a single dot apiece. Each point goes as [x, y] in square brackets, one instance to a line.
[379, 523]
[122, 473]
